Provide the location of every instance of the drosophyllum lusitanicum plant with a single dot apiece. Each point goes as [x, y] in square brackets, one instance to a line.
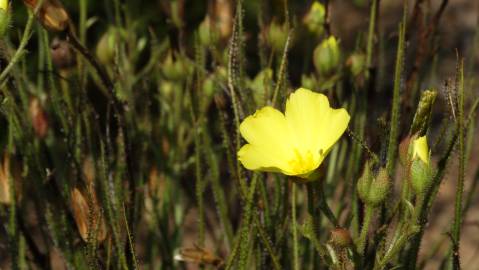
[235, 134]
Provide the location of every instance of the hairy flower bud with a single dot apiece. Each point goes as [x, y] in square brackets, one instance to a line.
[423, 112]
[327, 57]
[372, 189]
[421, 173]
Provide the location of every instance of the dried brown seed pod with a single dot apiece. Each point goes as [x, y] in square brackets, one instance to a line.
[87, 218]
[38, 118]
[63, 56]
[52, 15]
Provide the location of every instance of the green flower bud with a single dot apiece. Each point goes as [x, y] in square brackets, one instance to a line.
[277, 36]
[357, 63]
[174, 69]
[207, 32]
[421, 173]
[314, 19]
[327, 57]
[309, 82]
[372, 190]
[423, 112]
[421, 176]
[105, 49]
[4, 17]
[261, 82]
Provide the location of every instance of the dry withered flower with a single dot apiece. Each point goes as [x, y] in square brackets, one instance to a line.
[224, 17]
[63, 56]
[199, 255]
[85, 218]
[38, 117]
[52, 15]
[5, 193]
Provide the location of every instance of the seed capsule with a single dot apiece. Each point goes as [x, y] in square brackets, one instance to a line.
[52, 15]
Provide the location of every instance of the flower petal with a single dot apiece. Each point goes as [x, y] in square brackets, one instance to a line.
[421, 149]
[315, 124]
[269, 138]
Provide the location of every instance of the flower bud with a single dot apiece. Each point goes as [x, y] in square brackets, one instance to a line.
[52, 15]
[341, 237]
[423, 112]
[261, 82]
[372, 190]
[314, 19]
[207, 32]
[421, 173]
[175, 69]
[4, 17]
[38, 118]
[309, 82]
[105, 49]
[277, 36]
[327, 57]
[357, 63]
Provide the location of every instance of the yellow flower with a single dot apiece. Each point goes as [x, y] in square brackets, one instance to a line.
[4, 4]
[420, 149]
[294, 143]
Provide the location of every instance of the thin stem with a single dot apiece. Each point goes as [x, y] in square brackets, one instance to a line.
[295, 233]
[368, 213]
[458, 215]
[21, 48]
[323, 205]
[372, 26]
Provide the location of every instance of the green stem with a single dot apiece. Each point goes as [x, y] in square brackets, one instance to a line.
[395, 108]
[372, 26]
[295, 233]
[323, 205]
[456, 227]
[368, 213]
[21, 48]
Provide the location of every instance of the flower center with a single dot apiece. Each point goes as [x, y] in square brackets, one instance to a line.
[302, 162]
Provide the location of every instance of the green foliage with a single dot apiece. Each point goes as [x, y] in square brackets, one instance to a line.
[120, 131]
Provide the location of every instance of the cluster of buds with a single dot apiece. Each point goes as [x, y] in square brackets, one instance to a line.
[373, 188]
[327, 57]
